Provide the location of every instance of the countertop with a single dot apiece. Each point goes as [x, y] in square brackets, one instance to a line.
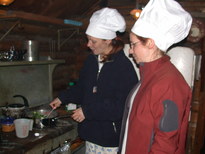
[48, 139]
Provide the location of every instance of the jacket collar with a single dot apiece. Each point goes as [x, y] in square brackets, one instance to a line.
[148, 68]
[113, 56]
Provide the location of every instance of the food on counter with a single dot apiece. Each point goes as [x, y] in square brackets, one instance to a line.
[38, 115]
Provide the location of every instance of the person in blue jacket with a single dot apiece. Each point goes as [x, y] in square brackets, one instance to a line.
[105, 80]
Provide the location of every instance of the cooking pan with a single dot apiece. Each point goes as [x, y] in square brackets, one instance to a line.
[38, 114]
[41, 113]
[53, 122]
[40, 117]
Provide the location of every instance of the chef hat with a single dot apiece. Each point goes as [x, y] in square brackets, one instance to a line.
[165, 21]
[104, 24]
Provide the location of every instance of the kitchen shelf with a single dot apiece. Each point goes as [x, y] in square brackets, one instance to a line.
[20, 63]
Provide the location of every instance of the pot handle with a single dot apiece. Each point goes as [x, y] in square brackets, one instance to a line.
[63, 116]
[24, 99]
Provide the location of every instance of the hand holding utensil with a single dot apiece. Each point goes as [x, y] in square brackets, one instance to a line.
[50, 113]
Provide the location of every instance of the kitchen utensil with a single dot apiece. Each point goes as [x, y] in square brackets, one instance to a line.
[25, 102]
[49, 113]
[22, 127]
[52, 122]
[18, 55]
[43, 117]
[5, 56]
[16, 110]
[40, 113]
[12, 55]
[31, 46]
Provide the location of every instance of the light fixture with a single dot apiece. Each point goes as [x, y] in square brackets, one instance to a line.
[6, 2]
[137, 11]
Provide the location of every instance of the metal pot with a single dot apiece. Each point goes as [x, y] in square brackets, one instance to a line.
[16, 110]
[39, 114]
[31, 46]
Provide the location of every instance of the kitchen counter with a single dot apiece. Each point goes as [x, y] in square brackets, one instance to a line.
[48, 140]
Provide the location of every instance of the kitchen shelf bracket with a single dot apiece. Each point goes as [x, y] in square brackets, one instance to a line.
[10, 29]
[60, 43]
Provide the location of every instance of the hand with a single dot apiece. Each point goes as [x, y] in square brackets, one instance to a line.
[78, 115]
[55, 103]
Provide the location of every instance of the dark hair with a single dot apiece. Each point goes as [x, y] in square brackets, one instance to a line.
[142, 39]
[117, 44]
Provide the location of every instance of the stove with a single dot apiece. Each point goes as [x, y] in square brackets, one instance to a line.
[44, 140]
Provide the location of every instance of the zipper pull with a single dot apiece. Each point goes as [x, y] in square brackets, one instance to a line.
[114, 127]
[95, 89]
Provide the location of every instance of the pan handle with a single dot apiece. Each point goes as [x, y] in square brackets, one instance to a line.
[64, 116]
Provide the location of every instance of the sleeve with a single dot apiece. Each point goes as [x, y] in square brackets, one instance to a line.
[170, 109]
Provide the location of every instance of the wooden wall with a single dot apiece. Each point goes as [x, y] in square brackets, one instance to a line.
[74, 51]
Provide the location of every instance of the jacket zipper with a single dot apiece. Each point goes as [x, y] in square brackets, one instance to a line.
[114, 127]
[99, 70]
[95, 87]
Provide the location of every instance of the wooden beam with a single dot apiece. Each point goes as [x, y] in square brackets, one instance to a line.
[30, 17]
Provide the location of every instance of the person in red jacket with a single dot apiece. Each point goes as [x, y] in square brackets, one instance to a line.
[156, 113]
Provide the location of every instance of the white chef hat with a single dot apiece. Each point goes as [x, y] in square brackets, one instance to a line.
[165, 21]
[104, 24]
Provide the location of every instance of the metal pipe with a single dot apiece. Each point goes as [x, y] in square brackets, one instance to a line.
[15, 24]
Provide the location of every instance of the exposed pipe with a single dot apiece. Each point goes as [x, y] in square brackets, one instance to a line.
[15, 24]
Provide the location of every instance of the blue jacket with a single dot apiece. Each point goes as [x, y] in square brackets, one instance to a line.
[103, 110]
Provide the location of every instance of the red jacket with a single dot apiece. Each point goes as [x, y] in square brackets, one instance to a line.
[159, 117]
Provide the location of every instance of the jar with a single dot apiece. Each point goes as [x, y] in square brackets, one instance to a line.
[7, 124]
